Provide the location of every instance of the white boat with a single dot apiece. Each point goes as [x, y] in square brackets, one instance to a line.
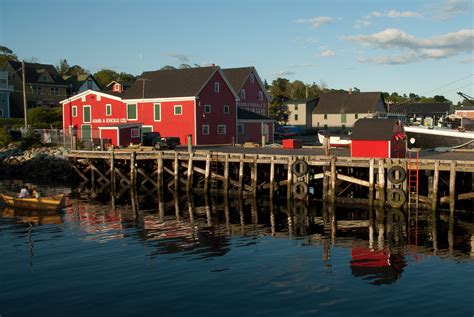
[436, 137]
[335, 139]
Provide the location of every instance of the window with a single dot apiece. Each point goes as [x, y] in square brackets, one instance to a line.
[260, 95]
[252, 78]
[74, 111]
[356, 116]
[226, 109]
[221, 129]
[178, 110]
[207, 109]
[108, 109]
[296, 117]
[135, 133]
[131, 111]
[216, 87]
[205, 129]
[240, 129]
[242, 94]
[1, 113]
[117, 87]
[157, 111]
[325, 126]
[86, 111]
[296, 107]
[55, 91]
[89, 83]
[343, 118]
[325, 116]
[36, 90]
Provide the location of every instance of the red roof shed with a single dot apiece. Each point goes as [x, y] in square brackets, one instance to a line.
[381, 138]
[122, 135]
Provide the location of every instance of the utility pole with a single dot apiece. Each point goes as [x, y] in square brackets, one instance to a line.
[25, 108]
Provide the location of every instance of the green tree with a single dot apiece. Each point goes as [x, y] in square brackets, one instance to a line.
[6, 54]
[4, 137]
[297, 89]
[40, 117]
[126, 78]
[62, 67]
[76, 70]
[185, 66]
[168, 67]
[105, 76]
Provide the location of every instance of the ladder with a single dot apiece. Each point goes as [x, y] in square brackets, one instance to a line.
[214, 169]
[413, 177]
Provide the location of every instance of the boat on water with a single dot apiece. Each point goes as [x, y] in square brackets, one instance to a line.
[31, 216]
[336, 139]
[42, 203]
[427, 137]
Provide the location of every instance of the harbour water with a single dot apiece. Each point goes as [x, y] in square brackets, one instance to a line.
[211, 256]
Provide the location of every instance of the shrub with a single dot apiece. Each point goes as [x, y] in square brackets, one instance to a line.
[4, 137]
[40, 118]
[31, 139]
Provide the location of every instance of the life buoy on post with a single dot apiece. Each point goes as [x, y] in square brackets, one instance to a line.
[300, 168]
[392, 174]
[300, 190]
[396, 197]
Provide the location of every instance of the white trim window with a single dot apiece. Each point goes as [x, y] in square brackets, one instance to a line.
[260, 95]
[226, 109]
[217, 87]
[135, 133]
[240, 128]
[242, 94]
[108, 110]
[84, 114]
[222, 129]
[74, 111]
[207, 108]
[178, 110]
[252, 78]
[205, 129]
[157, 111]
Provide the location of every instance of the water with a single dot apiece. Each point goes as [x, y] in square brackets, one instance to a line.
[212, 257]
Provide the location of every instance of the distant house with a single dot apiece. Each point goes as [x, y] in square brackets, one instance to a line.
[44, 86]
[465, 112]
[300, 112]
[5, 91]
[80, 83]
[433, 109]
[341, 110]
[116, 87]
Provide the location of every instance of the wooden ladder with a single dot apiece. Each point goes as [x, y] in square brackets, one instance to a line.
[214, 169]
[413, 177]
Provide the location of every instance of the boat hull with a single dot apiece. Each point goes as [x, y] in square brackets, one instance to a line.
[335, 141]
[432, 138]
[42, 203]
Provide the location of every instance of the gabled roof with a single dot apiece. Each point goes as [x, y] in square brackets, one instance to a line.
[421, 108]
[238, 76]
[243, 114]
[341, 102]
[374, 129]
[33, 72]
[172, 83]
[75, 81]
[300, 101]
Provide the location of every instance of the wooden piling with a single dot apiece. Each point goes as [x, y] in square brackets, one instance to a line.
[207, 172]
[253, 172]
[189, 181]
[226, 175]
[452, 186]
[176, 172]
[133, 179]
[289, 190]
[272, 177]
[333, 179]
[159, 174]
[371, 181]
[434, 193]
[241, 174]
[112, 172]
[381, 183]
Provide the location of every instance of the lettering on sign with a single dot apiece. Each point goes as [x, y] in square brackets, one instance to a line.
[97, 121]
[112, 120]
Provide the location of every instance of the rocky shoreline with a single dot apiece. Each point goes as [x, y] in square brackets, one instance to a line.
[40, 164]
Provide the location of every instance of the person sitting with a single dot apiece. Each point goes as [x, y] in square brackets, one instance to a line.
[35, 193]
[24, 192]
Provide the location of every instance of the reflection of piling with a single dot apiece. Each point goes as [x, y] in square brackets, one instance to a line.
[452, 185]
[434, 193]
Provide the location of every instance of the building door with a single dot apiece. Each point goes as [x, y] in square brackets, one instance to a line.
[265, 131]
[86, 132]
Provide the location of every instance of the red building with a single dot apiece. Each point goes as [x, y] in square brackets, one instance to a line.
[381, 138]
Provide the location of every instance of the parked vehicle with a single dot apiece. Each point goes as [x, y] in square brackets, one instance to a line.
[285, 132]
[158, 142]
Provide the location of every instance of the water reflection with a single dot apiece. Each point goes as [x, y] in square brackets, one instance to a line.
[380, 243]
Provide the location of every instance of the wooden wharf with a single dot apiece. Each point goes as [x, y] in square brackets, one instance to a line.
[301, 177]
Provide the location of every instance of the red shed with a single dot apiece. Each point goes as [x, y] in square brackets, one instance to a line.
[382, 138]
[122, 135]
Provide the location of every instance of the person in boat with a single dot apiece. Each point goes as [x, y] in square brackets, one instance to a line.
[35, 193]
[24, 192]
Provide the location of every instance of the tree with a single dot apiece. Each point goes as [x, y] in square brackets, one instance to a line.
[297, 89]
[62, 67]
[126, 78]
[185, 66]
[76, 70]
[6, 54]
[105, 76]
[280, 88]
[439, 98]
[168, 67]
[40, 117]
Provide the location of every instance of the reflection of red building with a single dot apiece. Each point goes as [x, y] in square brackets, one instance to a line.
[379, 266]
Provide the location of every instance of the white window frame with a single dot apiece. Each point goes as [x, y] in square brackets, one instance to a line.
[207, 108]
[74, 111]
[205, 126]
[136, 112]
[178, 107]
[240, 126]
[226, 107]
[116, 87]
[219, 126]
[242, 94]
[252, 78]
[83, 116]
[135, 131]
[260, 95]
[154, 112]
[108, 109]
[217, 87]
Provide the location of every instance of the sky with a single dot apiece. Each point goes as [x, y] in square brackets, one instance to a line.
[404, 46]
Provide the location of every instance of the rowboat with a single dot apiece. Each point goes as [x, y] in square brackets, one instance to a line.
[36, 217]
[42, 203]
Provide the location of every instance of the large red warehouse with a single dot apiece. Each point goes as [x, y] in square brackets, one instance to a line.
[381, 138]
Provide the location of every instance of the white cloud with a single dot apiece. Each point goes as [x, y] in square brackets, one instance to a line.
[283, 73]
[316, 22]
[393, 14]
[437, 47]
[452, 8]
[467, 60]
[327, 53]
[390, 60]
[180, 57]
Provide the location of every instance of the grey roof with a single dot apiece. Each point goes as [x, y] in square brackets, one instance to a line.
[465, 108]
[421, 108]
[75, 81]
[243, 114]
[170, 83]
[373, 129]
[237, 76]
[300, 101]
[33, 72]
[341, 102]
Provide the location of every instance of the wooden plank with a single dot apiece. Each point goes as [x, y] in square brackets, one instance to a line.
[353, 180]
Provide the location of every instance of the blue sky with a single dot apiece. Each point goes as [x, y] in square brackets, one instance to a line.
[424, 47]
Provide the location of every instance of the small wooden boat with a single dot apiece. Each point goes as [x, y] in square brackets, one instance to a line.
[42, 203]
[36, 217]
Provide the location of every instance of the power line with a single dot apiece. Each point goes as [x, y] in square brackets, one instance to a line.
[448, 84]
[456, 89]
